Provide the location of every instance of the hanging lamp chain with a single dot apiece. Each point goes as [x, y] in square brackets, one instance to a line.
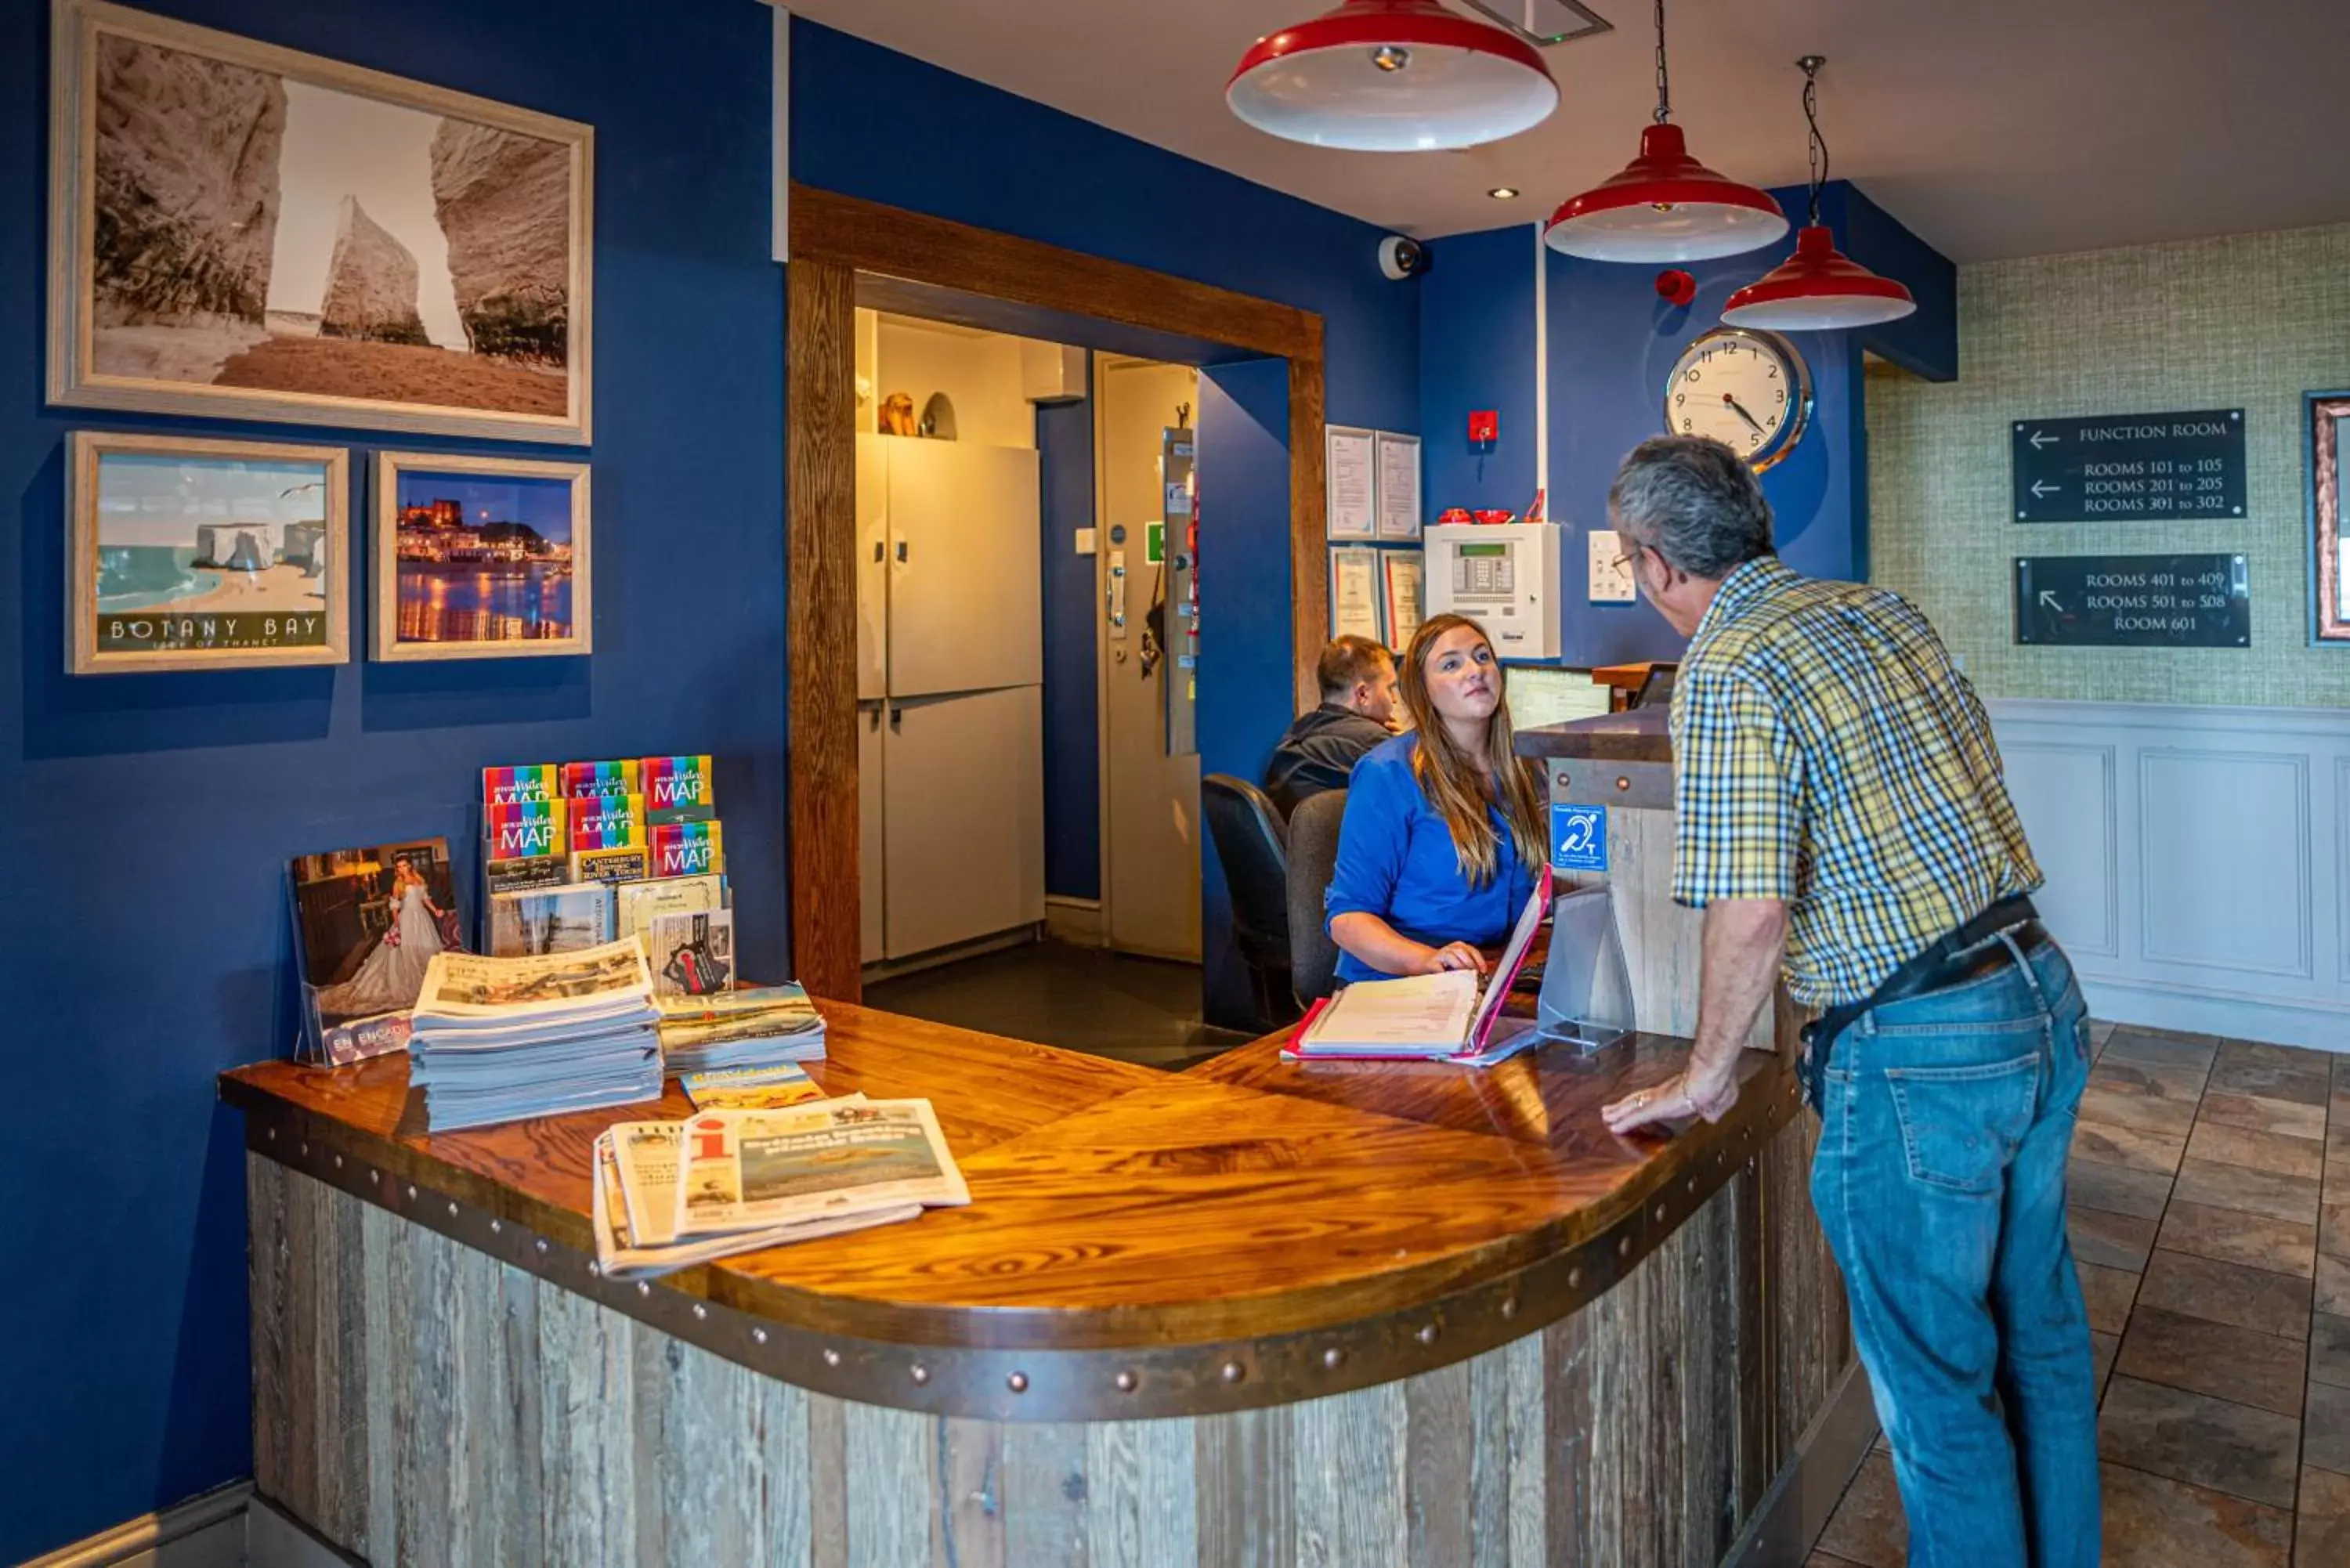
[1664, 84]
[1818, 149]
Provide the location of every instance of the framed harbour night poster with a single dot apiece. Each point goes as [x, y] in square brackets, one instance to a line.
[480, 558]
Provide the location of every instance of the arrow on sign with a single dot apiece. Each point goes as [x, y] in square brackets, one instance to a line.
[2048, 601]
[2042, 438]
[2041, 487]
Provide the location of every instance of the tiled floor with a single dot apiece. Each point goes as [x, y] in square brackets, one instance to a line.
[2210, 1219]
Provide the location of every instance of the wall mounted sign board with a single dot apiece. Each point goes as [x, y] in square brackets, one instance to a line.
[1402, 570]
[2129, 468]
[1355, 592]
[2134, 601]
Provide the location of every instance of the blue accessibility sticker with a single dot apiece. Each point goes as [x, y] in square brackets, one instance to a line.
[1578, 838]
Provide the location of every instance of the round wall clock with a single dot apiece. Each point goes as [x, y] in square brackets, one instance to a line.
[1748, 390]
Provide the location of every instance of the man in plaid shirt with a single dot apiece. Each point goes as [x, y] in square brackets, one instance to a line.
[1841, 819]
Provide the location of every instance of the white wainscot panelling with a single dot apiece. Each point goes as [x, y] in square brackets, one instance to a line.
[2250, 811]
[2064, 794]
[2198, 860]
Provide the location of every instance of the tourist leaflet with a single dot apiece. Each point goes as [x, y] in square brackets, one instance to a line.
[773, 1087]
[534, 780]
[677, 789]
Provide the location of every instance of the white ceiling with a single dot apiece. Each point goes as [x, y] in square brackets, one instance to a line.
[1993, 128]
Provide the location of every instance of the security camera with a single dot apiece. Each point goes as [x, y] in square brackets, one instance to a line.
[1400, 258]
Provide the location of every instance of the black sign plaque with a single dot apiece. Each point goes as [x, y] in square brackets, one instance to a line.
[2129, 468]
[2133, 601]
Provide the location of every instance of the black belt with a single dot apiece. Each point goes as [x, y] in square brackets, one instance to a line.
[1952, 959]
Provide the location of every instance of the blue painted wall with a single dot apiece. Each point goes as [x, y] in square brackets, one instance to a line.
[152, 815]
[1612, 342]
[1064, 460]
[952, 147]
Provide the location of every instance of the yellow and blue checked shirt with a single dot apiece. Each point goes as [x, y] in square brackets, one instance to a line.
[1826, 752]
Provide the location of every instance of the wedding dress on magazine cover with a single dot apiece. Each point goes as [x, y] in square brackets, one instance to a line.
[393, 975]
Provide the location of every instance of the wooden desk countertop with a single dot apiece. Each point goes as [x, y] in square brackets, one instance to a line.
[1242, 1234]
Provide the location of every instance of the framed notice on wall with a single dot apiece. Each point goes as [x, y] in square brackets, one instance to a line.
[1399, 486]
[1355, 592]
[1352, 505]
[1402, 574]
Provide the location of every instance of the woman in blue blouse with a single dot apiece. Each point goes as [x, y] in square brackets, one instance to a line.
[1439, 849]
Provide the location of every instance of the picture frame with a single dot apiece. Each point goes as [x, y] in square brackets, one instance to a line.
[451, 577]
[2329, 540]
[249, 231]
[1355, 592]
[194, 554]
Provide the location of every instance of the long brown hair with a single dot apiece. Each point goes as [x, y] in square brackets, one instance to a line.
[1453, 781]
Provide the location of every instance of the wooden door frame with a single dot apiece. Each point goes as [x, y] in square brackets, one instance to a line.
[833, 238]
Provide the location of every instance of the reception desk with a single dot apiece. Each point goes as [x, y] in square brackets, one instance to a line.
[1253, 1313]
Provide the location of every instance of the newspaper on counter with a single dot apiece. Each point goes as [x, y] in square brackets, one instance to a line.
[503, 1039]
[620, 1254]
[750, 1027]
[741, 1169]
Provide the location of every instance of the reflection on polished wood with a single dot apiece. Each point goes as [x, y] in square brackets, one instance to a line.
[1341, 1313]
[1114, 1206]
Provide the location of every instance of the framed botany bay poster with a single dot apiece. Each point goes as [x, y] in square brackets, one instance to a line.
[241, 230]
[205, 555]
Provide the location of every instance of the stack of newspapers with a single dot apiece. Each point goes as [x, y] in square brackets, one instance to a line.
[498, 1039]
[757, 1026]
[670, 1194]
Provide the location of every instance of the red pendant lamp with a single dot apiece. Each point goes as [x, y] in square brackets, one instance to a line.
[1819, 288]
[1392, 75]
[1665, 206]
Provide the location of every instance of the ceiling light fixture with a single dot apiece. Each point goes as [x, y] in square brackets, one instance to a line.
[1503, 192]
[1391, 76]
[1819, 288]
[1665, 206]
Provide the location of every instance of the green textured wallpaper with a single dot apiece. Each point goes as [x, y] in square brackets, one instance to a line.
[2249, 320]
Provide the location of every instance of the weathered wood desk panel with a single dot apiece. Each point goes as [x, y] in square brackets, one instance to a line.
[1256, 1313]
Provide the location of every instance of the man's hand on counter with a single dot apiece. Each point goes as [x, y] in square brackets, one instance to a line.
[1744, 940]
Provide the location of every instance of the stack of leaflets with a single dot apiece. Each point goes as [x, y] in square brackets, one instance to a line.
[669, 1194]
[499, 1039]
[757, 1026]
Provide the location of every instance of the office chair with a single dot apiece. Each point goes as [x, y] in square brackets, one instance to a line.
[1253, 845]
[1313, 857]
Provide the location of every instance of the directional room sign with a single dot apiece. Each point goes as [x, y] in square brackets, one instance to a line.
[2134, 601]
[2127, 468]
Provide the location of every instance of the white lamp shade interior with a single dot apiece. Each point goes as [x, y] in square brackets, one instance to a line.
[1441, 99]
[1820, 313]
[1686, 231]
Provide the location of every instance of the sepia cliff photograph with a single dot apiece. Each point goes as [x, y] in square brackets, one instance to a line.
[260, 234]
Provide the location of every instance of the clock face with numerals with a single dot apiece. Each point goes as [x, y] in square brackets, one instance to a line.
[1750, 391]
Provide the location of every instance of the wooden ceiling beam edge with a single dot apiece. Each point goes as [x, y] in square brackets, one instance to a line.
[868, 236]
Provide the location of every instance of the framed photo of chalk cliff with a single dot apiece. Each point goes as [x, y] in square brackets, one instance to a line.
[240, 230]
[205, 555]
[479, 557]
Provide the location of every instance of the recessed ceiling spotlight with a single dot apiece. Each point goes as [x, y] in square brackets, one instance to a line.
[1503, 192]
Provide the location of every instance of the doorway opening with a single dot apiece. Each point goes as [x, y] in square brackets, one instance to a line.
[1143, 328]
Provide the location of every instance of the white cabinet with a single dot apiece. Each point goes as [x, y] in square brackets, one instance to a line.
[965, 565]
[950, 654]
[962, 782]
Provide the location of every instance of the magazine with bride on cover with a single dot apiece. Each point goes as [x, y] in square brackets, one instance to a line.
[367, 924]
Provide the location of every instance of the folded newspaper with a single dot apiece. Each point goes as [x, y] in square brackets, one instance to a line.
[754, 1026]
[737, 1181]
[501, 1039]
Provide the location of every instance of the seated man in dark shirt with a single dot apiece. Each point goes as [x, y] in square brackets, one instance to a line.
[1358, 711]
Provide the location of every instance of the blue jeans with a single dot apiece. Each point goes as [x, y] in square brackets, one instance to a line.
[1939, 1179]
